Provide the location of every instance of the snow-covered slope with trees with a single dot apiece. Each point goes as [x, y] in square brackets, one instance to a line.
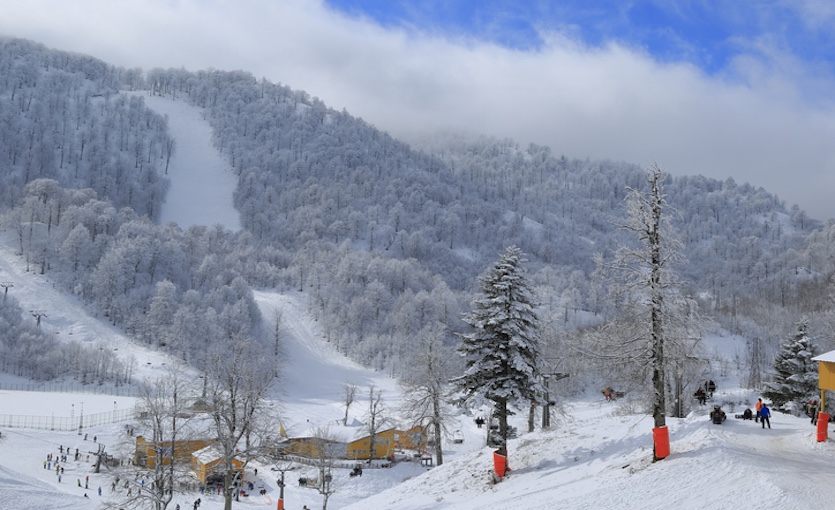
[596, 456]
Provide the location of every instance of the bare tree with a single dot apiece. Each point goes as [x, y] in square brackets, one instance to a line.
[424, 383]
[164, 422]
[375, 419]
[238, 384]
[348, 399]
[329, 447]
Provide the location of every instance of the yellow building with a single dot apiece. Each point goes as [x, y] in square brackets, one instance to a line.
[147, 451]
[359, 449]
[826, 374]
[414, 438]
[311, 447]
[386, 442]
[206, 462]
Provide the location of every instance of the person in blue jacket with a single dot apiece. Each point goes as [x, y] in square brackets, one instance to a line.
[765, 414]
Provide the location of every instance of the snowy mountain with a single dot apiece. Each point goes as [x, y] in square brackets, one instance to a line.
[379, 236]
[597, 454]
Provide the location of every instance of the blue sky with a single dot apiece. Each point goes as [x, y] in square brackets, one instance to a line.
[708, 34]
[727, 89]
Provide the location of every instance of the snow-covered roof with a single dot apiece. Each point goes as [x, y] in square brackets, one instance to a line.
[208, 454]
[828, 357]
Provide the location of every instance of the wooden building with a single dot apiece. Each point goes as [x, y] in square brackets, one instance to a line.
[149, 453]
[206, 462]
[387, 442]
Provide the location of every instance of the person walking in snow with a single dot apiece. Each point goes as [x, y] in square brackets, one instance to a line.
[759, 407]
[765, 414]
[813, 411]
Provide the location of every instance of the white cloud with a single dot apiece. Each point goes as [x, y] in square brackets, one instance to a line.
[613, 102]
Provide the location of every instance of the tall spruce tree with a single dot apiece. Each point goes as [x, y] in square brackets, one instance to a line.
[796, 380]
[502, 351]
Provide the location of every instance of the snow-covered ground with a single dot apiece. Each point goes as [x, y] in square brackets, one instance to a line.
[597, 455]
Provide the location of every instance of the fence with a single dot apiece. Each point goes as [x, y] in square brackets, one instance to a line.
[65, 423]
[119, 391]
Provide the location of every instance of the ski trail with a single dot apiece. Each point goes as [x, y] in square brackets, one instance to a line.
[201, 193]
[304, 354]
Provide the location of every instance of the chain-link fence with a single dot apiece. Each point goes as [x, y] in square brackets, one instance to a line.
[66, 423]
[95, 389]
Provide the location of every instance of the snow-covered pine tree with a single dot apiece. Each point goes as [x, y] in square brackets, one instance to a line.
[502, 351]
[796, 380]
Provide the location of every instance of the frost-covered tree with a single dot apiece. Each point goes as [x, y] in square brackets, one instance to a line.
[375, 419]
[350, 392]
[239, 380]
[658, 327]
[423, 384]
[164, 423]
[326, 450]
[502, 350]
[796, 380]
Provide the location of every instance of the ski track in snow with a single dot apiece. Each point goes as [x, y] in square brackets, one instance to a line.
[202, 181]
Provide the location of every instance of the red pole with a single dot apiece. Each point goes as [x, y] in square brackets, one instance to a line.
[280, 504]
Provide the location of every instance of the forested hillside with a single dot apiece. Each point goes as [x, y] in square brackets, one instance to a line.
[384, 238]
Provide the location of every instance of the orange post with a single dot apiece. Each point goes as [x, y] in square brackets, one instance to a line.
[280, 505]
[661, 441]
[823, 427]
[499, 464]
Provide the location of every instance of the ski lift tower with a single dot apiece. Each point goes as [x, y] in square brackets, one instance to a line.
[6, 286]
[546, 406]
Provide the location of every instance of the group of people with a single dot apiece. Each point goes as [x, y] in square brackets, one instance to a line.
[762, 414]
[705, 391]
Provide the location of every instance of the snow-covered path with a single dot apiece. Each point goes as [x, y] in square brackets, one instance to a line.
[65, 316]
[777, 451]
[601, 458]
[313, 374]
